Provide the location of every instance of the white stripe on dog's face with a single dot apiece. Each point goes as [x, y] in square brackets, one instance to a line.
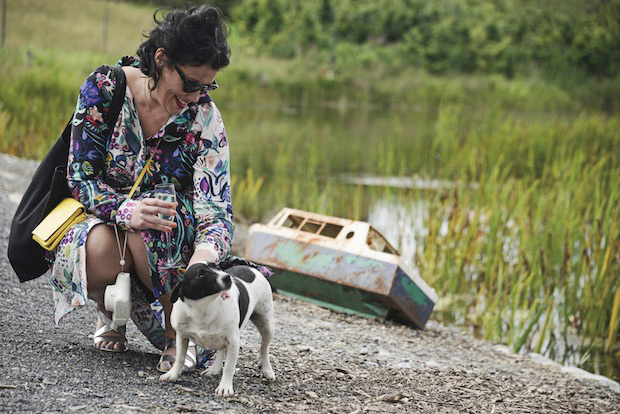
[223, 279]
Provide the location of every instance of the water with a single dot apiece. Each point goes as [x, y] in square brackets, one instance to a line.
[408, 154]
[403, 226]
[169, 198]
[166, 192]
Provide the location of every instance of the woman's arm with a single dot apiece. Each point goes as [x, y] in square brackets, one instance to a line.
[211, 181]
[87, 161]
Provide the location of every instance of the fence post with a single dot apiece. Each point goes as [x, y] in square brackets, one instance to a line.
[106, 24]
[3, 23]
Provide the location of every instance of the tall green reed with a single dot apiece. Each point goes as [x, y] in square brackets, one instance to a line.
[525, 247]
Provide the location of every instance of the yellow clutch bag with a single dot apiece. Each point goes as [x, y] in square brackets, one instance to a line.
[56, 224]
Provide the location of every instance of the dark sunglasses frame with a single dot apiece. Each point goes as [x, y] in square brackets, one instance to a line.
[191, 86]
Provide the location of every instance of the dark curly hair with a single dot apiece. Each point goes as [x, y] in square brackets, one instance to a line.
[193, 35]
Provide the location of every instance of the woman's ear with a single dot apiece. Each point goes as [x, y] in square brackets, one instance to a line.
[160, 57]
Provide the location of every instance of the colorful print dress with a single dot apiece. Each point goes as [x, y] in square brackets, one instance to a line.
[192, 153]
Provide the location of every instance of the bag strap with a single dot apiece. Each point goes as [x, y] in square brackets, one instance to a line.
[115, 107]
[122, 251]
[115, 110]
[119, 96]
[141, 176]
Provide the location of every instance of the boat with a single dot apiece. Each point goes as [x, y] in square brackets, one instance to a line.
[341, 264]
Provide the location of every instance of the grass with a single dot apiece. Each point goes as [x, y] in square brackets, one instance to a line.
[528, 255]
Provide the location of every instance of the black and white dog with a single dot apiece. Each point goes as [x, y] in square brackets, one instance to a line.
[210, 308]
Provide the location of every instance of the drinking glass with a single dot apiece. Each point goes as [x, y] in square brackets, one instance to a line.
[166, 193]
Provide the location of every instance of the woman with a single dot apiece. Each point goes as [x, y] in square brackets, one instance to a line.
[166, 111]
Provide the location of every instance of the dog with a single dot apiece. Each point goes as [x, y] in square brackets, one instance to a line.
[210, 307]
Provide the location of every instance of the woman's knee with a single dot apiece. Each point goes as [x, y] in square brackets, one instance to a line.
[103, 259]
[139, 254]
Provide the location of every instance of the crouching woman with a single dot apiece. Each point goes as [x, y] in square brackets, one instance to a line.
[167, 115]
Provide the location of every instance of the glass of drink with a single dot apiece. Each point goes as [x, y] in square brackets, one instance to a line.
[166, 193]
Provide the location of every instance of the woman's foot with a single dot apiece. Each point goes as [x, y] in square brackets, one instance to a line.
[108, 339]
[169, 356]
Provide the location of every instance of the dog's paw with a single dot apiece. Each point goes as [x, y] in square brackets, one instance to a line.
[268, 373]
[224, 390]
[168, 377]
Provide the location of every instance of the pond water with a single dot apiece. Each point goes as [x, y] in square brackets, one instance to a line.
[339, 161]
[403, 226]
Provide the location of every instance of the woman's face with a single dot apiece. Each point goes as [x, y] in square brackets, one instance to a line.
[169, 92]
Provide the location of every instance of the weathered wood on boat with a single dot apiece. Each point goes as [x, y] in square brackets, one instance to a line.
[343, 264]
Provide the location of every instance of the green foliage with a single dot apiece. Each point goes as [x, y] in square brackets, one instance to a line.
[224, 5]
[37, 97]
[503, 36]
[523, 246]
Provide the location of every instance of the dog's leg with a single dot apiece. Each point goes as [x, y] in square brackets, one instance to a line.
[225, 388]
[266, 327]
[177, 368]
[216, 367]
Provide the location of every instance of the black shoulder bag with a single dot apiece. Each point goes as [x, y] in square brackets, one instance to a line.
[47, 188]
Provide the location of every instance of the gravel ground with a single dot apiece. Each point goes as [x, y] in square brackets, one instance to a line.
[324, 362]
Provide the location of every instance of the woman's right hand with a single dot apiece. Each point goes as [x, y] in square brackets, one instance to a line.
[146, 215]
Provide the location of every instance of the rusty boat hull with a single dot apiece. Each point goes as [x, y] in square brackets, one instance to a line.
[342, 264]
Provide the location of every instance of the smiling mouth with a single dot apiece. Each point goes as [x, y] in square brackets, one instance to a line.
[180, 103]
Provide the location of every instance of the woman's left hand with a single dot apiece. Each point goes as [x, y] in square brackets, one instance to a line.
[147, 213]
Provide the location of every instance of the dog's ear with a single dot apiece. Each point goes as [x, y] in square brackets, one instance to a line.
[214, 267]
[176, 293]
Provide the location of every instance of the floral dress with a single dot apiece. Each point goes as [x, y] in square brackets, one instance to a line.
[191, 151]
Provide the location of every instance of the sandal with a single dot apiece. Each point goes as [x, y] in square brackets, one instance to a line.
[102, 334]
[190, 358]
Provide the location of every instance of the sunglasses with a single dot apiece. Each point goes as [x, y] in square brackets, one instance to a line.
[191, 86]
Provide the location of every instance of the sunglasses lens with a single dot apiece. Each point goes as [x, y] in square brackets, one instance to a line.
[191, 86]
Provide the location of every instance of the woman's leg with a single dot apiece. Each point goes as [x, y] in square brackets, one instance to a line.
[136, 245]
[102, 268]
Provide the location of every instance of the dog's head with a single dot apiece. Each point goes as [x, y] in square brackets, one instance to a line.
[201, 280]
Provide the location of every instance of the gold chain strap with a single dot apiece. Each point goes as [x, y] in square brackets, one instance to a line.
[141, 176]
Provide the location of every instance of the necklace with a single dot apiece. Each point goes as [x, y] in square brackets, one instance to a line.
[146, 99]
